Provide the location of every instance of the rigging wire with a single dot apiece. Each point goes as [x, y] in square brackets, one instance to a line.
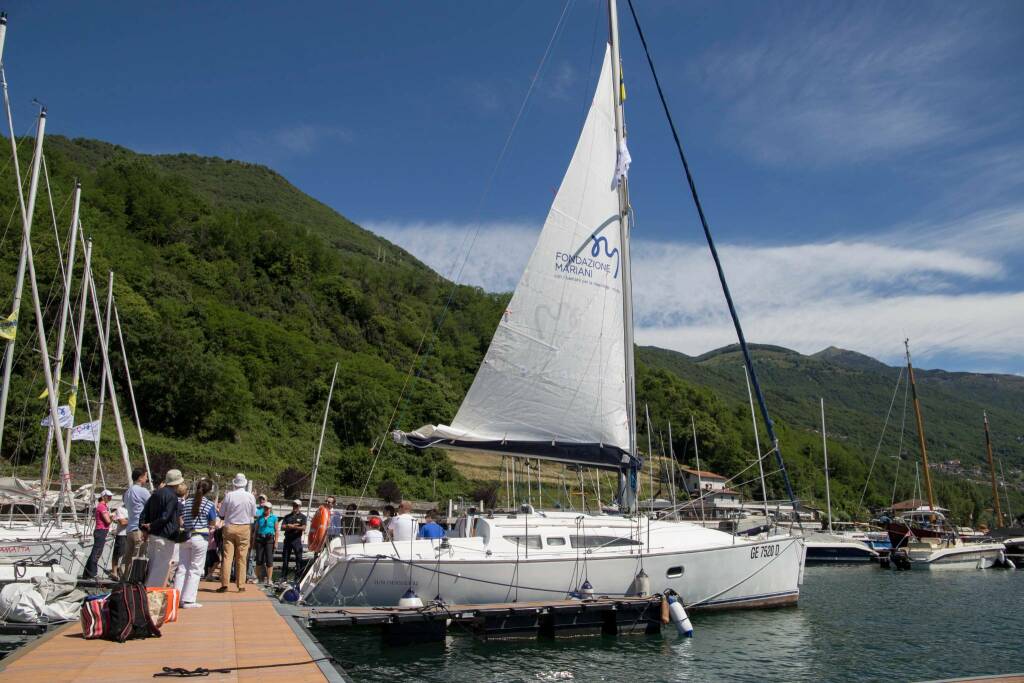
[895, 393]
[420, 355]
[718, 265]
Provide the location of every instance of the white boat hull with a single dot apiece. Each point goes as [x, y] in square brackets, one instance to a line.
[760, 574]
[968, 556]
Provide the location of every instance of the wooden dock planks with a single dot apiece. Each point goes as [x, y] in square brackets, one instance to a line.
[230, 630]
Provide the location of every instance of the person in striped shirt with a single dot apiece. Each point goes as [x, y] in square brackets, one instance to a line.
[200, 519]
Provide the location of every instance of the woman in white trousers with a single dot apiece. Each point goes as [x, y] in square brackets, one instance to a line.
[200, 520]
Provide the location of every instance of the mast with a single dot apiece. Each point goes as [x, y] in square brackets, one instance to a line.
[319, 448]
[108, 377]
[992, 469]
[80, 334]
[65, 311]
[824, 448]
[26, 220]
[920, 428]
[18, 283]
[627, 283]
[131, 393]
[700, 481]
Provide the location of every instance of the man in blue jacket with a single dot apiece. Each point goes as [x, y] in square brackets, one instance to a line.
[160, 521]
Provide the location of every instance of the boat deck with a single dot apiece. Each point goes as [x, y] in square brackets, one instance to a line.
[244, 632]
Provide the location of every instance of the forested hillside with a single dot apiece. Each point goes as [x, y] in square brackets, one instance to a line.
[238, 293]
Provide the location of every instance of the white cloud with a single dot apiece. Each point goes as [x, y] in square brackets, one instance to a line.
[850, 86]
[284, 144]
[864, 294]
[304, 138]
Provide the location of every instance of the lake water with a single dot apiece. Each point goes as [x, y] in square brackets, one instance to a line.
[853, 622]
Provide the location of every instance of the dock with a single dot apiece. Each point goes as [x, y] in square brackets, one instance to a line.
[245, 634]
[545, 619]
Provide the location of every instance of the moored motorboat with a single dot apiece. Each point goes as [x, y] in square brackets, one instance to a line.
[823, 546]
[954, 554]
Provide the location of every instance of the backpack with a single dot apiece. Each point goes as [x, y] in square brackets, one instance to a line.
[128, 609]
[94, 617]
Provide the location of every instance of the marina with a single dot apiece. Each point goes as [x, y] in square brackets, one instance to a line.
[364, 467]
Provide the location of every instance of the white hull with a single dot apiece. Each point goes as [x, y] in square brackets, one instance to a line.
[969, 556]
[29, 550]
[760, 573]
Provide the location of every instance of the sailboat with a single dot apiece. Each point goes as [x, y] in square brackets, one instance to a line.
[1012, 537]
[927, 538]
[827, 545]
[557, 384]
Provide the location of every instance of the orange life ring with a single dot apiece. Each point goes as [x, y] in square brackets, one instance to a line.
[318, 529]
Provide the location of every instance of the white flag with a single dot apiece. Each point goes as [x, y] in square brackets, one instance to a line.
[64, 416]
[622, 161]
[88, 431]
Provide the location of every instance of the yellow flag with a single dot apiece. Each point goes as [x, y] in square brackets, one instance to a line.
[46, 392]
[9, 327]
[72, 400]
[622, 84]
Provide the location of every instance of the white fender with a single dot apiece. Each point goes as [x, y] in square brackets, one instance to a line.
[679, 618]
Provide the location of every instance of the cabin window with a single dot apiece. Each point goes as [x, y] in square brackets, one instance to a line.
[674, 572]
[556, 540]
[590, 541]
[531, 542]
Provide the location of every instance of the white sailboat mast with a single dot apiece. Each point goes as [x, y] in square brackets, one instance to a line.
[65, 311]
[108, 377]
[824, 448]
[80, 332]
[18, 283]
[131, 393]
[627, 283]
[320, 445]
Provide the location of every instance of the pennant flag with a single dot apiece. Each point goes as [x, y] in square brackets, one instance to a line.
[89, 431]
[73, 401]
[9, 327]
[64, 417]
[46, 392]
[622, 84]
[622, 162]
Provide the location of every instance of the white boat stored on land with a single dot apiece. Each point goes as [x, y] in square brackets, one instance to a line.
[548, 556]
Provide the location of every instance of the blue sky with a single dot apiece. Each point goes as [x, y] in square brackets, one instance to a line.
[862, 164]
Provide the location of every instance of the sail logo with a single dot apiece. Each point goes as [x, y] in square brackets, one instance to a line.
[601, 260]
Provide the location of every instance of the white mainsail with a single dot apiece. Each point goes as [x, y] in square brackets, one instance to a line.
[554, 374]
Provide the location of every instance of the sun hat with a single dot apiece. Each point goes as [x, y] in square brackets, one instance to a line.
[173, 478]
[268, 504]
[239, 481]
[374, 522]
[104, 493]
[297, 502]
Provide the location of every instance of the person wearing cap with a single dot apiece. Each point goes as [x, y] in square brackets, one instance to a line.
[160, 522]
[293, 525]
[260, 502]
[373, 533]
[99, 534]
[265, 533]
[237, 510]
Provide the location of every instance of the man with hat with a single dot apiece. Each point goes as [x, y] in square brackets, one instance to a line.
[238, 509]
[160, 521]
[293, 525]
[99, 534]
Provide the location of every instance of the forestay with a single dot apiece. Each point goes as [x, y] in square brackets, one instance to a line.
[553, 384]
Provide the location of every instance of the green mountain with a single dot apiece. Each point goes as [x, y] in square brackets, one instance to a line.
[237, 293]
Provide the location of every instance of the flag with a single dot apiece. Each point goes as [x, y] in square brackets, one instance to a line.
[622, 84]
[64, 417]
[72, 402]
[622, 161]
[9, 327]
[46, 392]
[88, 431]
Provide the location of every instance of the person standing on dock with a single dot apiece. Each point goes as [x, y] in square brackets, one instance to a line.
[266, 541]
[293, 525]
[260, 501]
[120, 541]
[403, 527]
[200, 519]
[134, 500]
[238, 509]
[160, 521]
[99, 534]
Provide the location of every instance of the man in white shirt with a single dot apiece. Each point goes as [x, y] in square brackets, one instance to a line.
[402, 526]
[238, 509]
